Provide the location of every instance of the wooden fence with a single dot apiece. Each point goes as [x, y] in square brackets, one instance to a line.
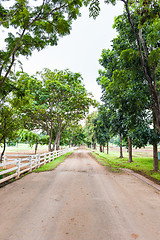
[13, 166]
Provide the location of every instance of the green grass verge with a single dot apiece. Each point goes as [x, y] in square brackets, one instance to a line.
[53, 164]
[142, 165]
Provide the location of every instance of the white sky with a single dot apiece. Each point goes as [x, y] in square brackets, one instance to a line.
[81, 50]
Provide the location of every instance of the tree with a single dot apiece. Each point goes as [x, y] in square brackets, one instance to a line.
[125, 91]
[66, 98]
[90, 137]
[78, 136]
[117, 122]
[32, 138]
[101, 128]
[105, 119]
[141, 15]
[33, 26]
[9, 125]
[73, 135]
[56, 100]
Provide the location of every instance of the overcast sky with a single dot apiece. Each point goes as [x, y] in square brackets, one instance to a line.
[79, 51]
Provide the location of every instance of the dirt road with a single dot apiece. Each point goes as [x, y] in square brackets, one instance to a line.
[80, 200]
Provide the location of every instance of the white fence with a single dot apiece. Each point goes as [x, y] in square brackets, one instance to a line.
[24, 163]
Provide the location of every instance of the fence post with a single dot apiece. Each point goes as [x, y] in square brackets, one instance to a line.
[4, 161]
[30, 163]
[39, 163]
[18, 167]
[36, 161]
[49, 157]
[45, 158]
[53, 155]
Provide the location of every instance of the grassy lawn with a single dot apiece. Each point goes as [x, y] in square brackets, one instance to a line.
[22, 147]
[143, 165]
[53, 164]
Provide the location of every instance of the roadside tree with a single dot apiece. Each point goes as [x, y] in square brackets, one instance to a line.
[55, 101]
[29, 25]
[9, 126]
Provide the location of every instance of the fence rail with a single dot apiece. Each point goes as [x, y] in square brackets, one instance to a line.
[26, 163]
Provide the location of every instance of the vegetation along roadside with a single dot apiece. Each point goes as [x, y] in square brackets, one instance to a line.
[141, 165]
[53, 164]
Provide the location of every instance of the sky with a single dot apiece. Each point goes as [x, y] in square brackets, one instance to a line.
[81, 50]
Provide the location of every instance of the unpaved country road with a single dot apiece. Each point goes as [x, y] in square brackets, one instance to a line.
[80, 200]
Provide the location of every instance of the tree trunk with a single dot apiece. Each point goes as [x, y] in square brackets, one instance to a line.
[94, 146]
[4, 148]
[121, 150]
[103, 148]
[57, 140]
[155, 149]
[58, 143]
[146, 68]
[36, 145]
[50, 139]
[70, 141]
[155, 158]
[107, 148]
[55, 143]
[130, 149]
[100, 148]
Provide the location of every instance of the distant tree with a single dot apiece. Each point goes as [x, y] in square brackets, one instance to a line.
[73, 135]
[90, 137]
[78, 136]
[54, 102]
[66, 98]
[33, 138]
[102, 128]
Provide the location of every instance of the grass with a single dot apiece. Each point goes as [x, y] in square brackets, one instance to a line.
[21, 147]
[142, 165]
[53, 164]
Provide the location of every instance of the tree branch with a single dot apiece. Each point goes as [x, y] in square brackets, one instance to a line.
[13, 58]
[37, 18]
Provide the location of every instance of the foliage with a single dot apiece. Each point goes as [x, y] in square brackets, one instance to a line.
[78, 136]
[125, 90]
[73, 135]
[90, 137]
[9, 125]
[53, 102]
[33, 25]
[102, 126]
[67, 98]
[33, 138]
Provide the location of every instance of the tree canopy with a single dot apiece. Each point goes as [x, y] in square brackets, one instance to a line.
[30, 25]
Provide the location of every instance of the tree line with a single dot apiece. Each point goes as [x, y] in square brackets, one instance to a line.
[130, 80]
[45, 108]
